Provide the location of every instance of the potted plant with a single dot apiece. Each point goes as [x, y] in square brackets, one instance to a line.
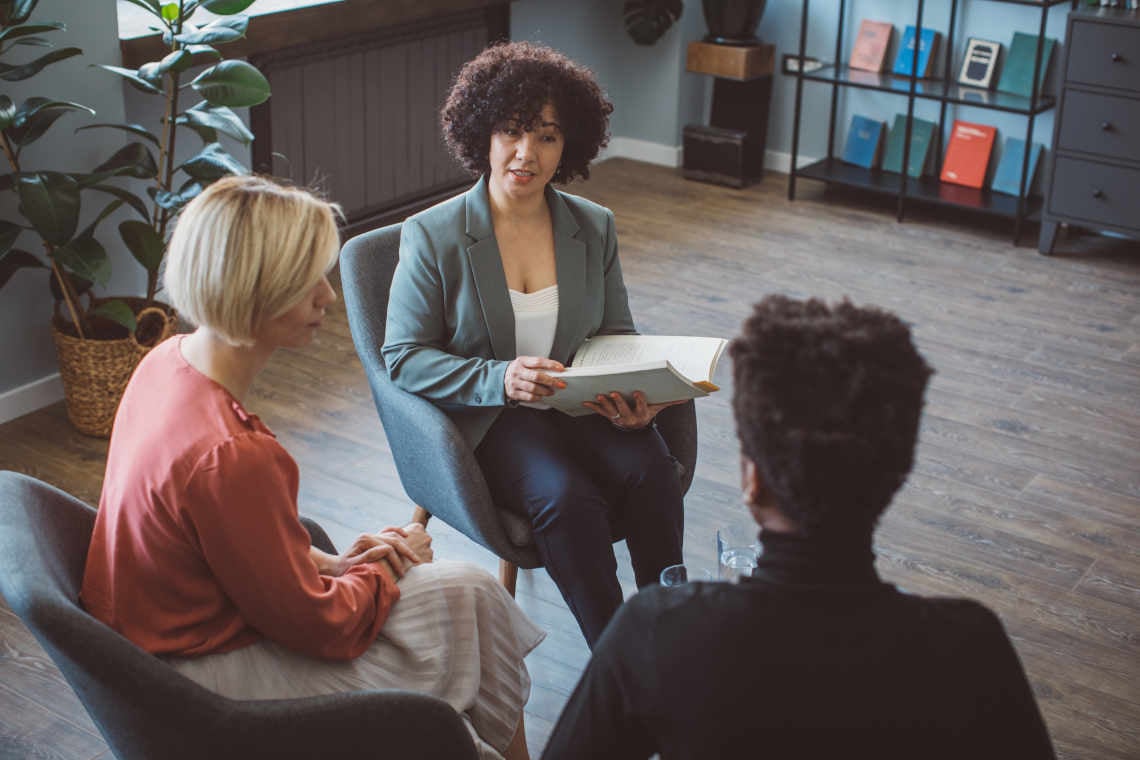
[101, 340]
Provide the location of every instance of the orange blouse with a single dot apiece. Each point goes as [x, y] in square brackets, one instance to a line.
[197, 546]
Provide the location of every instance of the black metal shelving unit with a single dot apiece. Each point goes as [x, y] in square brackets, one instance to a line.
[946, 92]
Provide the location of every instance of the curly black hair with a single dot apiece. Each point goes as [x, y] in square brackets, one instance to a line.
[827, 403]
[513, 81]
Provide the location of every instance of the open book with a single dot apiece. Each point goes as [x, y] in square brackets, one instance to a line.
[664, 367]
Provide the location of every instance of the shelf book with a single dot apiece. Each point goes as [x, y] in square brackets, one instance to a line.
[927, 52]
[1017, 71]
[664, 367]
[979, 63]
[967, 157]
[1007, 176]
[921, 137]
[864, 146]
[871, 44]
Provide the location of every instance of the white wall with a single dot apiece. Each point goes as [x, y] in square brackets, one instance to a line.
[655, 97]
[28, 366]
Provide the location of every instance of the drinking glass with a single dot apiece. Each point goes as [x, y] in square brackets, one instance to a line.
[737, 549]
[674, 575]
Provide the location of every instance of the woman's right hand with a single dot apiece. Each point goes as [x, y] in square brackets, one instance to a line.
[526, 378]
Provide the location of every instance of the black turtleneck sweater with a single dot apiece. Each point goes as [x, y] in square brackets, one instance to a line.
[812, 657]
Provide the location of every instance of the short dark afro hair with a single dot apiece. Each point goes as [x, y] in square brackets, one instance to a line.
[514, 80]
[827, 402]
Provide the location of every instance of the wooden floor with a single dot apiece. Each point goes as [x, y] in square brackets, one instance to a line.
[1025, 495]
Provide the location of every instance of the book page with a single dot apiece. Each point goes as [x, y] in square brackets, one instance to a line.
[693, 357]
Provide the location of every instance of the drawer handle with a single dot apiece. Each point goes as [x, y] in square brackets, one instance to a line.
[1106, 126]
[1117, 58]
[1098, 194]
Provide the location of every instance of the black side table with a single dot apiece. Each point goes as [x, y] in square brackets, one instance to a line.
[730, 149]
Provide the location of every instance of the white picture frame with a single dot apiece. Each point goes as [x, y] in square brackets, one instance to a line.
[979, 63]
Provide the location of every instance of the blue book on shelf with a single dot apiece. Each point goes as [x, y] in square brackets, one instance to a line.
[1007, 177]
[904, 61]
[864, 142]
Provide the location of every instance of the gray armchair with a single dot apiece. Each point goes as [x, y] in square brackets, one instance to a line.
[144, 708]
[437, 468]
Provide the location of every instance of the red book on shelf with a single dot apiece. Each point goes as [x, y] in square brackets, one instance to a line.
[968, 154]
[870, 50]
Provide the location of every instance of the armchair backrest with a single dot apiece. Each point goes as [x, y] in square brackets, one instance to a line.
[144, 708]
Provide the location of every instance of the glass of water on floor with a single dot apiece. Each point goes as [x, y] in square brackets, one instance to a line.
[737, 548]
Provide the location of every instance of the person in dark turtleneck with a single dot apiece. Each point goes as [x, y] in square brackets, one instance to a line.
[813, 656]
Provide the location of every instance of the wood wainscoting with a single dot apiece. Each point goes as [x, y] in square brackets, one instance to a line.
[359, 117]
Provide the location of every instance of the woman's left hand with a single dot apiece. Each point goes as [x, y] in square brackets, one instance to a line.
[621, 415]
[390, 544]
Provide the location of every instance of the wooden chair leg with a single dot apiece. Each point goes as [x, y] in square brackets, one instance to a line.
[508, 574]
[421, 516]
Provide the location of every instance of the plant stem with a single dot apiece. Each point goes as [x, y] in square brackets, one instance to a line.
[166, 159]
[64, 286]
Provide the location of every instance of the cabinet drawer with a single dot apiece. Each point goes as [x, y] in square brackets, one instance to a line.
[1095, 192]
[1105, 54]
[1100, 124]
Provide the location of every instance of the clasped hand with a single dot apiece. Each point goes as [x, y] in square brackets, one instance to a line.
[398, 548]
[527, 379]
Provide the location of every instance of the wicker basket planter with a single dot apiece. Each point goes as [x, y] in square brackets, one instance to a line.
[95, 371]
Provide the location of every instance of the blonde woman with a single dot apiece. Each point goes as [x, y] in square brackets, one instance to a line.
[198, 554]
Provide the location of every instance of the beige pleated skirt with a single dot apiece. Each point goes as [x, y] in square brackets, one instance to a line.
[455, 633]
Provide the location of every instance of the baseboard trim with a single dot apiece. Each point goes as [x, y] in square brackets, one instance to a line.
[30, 397]
[673, 155]
[642, 150]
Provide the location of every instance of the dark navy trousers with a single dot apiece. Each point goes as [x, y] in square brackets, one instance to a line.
[581, 482]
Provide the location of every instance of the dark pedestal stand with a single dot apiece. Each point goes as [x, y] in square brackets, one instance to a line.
[730, 150]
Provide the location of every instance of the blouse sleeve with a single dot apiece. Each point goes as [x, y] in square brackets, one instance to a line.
[416, 332]
[242, 500]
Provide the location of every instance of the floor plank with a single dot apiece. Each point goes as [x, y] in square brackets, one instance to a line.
[1026, 490]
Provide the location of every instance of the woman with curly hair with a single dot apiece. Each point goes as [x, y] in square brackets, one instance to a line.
[495, 291]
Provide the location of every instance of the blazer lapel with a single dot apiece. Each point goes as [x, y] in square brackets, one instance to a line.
[487, 271]
[570, 264]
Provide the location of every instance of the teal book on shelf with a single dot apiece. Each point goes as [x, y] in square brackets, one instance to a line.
[1007, 177]
[927, 51]
[921, 135]
[1017, 71]
[864, 142]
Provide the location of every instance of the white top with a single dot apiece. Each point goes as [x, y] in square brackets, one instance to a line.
[536, 317]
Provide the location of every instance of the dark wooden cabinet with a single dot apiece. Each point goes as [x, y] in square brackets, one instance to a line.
[1095, 180]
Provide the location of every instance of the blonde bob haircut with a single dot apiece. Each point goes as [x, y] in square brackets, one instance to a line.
[247, 250]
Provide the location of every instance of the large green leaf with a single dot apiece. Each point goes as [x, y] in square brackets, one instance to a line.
[14, 33]
[216, 32]
[133, 78]
[117, 311]
[7, 112]
[36, 115]
[217, 118]
[127, 197]
[134, 129]
[86, 257]
[236, 84]
[16, 11]
[212, 163]
[174, 202]
[144, 243]
[26, 70]
[13, 261]
[226, 7]
[50, 201]
[132, 160]
[9, 231]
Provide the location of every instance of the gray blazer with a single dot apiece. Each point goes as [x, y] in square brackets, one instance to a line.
[451, 329]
